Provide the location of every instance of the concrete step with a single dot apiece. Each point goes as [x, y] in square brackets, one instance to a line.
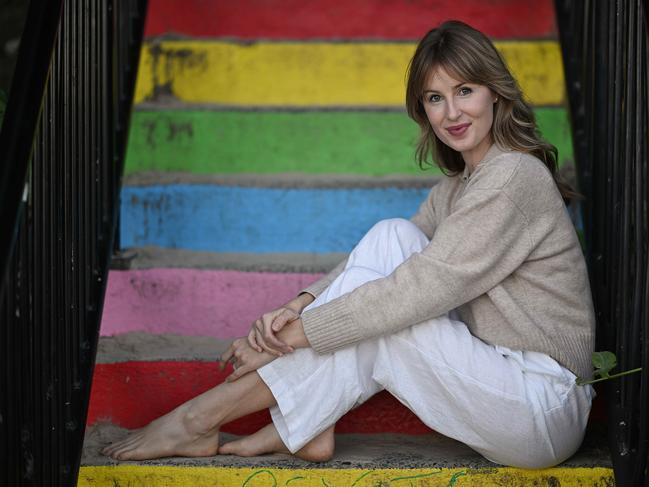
[248, 219]
[330, 19]
[203, 302]
[363, 146]
[140, 376]
[359, 460]
[315, 74]
[154, 257]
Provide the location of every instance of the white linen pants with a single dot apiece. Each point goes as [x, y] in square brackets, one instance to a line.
[516, 408]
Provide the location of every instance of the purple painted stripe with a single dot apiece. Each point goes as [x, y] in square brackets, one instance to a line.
[194, 302]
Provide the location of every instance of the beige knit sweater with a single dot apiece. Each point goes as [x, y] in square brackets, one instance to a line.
[503, 251]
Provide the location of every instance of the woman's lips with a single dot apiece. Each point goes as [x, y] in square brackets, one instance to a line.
[458, 130]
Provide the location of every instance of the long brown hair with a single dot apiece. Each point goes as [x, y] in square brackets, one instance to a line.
[467, 54]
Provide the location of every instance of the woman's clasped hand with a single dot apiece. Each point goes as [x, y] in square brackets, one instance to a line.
[269, 337]
[244, 359]
[262, 335]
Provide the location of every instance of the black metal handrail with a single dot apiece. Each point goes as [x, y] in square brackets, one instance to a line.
[21, 117]
[60, 177]
[606, 62]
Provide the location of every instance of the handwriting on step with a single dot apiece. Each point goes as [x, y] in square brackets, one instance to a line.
[268, 478]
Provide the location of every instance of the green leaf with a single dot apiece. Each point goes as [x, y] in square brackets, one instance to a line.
[603, 362]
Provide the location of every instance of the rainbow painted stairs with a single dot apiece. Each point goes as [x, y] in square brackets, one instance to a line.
[267, 137]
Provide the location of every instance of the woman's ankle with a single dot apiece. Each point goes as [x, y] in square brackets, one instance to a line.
[198, 420]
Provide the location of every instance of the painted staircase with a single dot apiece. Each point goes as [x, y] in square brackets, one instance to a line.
[268, 136]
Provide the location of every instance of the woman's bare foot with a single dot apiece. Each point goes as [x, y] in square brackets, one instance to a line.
[267, 440]
[174, 434]
[192, 429]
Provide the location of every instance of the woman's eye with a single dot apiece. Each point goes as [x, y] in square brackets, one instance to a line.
[434, 98]
[465, 91]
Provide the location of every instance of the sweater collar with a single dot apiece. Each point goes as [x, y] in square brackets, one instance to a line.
[493, 152]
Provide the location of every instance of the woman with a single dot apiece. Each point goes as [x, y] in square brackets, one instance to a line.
[476, 313]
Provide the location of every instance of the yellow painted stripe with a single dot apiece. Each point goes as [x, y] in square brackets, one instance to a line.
[316, 74]
[160, 476]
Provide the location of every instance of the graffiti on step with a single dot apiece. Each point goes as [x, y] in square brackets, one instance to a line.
[174, 131]
[266, 478]
[165, 62]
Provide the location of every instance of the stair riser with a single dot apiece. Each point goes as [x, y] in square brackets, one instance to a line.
[318, 477]
[131, 394]
[232, 219]
[194, 302]
[228, 142]
[318, 74]
[323, 19]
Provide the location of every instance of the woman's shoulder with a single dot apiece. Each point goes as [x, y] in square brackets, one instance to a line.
[523, 178]
[511, 169]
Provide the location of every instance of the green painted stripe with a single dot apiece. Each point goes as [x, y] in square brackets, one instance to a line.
[226, 142]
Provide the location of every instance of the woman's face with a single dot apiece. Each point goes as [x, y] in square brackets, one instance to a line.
[461, 114]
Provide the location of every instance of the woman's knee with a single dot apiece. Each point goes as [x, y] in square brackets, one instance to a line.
[400, 226]
[398, 234]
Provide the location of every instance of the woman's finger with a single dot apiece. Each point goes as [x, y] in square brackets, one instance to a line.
[259, 333]
[269, 336]
[262, 342]
[286, 316]
[226, 356]
[238, 372]
[252, 341]
[259, 338]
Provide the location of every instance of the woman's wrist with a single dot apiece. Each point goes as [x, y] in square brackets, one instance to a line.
[293, 335]
[300, 302]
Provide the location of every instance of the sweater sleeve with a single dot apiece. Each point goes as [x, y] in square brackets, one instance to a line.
[321, 284]
[483, 240]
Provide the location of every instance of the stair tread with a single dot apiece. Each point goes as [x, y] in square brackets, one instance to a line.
[285, 180]
[369, 451]
[153, 257]
[149, 347]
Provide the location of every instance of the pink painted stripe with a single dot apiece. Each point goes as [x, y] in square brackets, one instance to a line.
[194, 302]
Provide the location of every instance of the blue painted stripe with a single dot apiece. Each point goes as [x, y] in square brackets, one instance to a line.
[235, 219]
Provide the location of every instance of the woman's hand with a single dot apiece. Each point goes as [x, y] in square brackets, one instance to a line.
[244, 359]
[262, 336]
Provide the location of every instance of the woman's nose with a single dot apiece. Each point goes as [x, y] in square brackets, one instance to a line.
[452, 111]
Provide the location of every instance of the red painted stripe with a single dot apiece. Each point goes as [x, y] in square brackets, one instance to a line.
[332, 19]
[131, 394]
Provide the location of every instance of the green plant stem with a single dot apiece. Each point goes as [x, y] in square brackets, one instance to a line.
[614, 376]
